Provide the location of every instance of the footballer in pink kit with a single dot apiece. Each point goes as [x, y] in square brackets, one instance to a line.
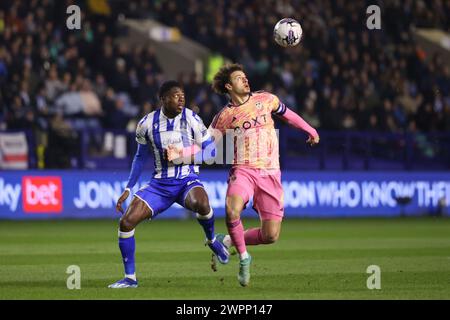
[256, 169]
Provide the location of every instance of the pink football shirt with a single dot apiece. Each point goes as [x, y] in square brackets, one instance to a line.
[252, 131]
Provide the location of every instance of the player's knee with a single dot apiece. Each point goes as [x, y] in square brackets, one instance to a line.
[126, 224]
[203, 209]
[270, 237]
[233, 213]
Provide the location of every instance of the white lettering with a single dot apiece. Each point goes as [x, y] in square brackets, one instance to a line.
[325, 192]
[374, 281]
[374, 20]
[74, 20]
[74, 280]
[353, 194]
[9, 195]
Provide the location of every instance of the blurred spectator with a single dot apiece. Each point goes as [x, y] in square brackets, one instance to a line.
[62, 143]
[54, 86]
[19, 116]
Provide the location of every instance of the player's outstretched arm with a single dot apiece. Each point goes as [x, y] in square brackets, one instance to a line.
[294, 120]
[192, 154]
[216, 134]
[201, 151]
[136, 169]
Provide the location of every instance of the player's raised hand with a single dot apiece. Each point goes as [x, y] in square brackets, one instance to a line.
[313, 140]
[122, 198]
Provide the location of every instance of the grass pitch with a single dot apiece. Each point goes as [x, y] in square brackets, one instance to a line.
[314, 259]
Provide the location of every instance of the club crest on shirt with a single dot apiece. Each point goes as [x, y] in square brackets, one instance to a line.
[155, 126]
[259, 105]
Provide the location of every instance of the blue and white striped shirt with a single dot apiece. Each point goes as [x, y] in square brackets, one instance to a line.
[158, 131]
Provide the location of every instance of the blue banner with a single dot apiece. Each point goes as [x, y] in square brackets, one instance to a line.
[93, 194]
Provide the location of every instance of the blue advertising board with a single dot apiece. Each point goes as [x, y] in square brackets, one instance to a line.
[92, 194]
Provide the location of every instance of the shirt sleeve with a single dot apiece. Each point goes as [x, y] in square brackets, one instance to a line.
[203, 135]
[138, 164]
[218, 123]
[278, 107]
[141, 132]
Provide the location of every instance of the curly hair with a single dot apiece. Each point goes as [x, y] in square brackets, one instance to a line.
[222, 77]
[166, 86]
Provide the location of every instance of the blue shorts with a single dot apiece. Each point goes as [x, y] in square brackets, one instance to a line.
[160, 194]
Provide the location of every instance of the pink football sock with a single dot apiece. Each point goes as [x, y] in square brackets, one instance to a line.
[252, 237]
[236, 232]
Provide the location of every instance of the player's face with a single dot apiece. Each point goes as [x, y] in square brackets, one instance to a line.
[239, 83]
[174, 101]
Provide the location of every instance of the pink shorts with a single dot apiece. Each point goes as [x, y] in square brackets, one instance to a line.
[265, 188]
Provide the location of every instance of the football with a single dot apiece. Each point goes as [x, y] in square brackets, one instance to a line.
[287, 32]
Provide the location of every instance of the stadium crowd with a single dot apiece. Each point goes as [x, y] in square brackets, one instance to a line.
[342, 76]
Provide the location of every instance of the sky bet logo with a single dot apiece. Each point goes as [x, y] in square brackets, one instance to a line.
[42, 194]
